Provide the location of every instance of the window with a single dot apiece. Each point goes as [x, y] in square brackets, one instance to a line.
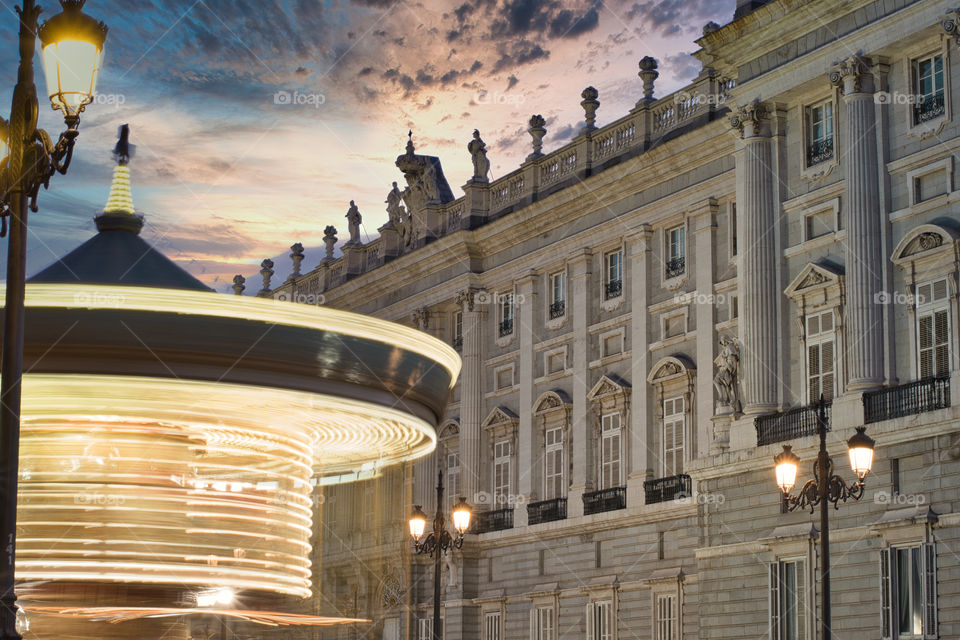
[504, 377]
[676, 252]
[820, 341]
[453, 478]
[458, 330]
[502, 452]
[611, 451]
[820, 133]
[614, 274]
[733, 229]
[600, 620]
[665, 617]
[553, 484]
[505, 313]
[928, 89]
[492, 625]
[611, 344]
[933, 329]
[558, 294]
[424, 629]
[788, 619]
[908, 600]
[817, 223]
[556, 361]
[673, 427]
[541, 623]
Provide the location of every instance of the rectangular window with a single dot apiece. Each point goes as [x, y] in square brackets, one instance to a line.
[558, 294]
[458, 330]
[614, 274]
[820, 132]
[553, 464]
[673, 428]
[928, 89]
[933, 329]
[504, 378]
[541, 623]
[453, 478]
[665, 617]
[733, 228]
[820, 359]
[787, 609]
[502, 481]
[611, 344]
[611, 451]
[600, 620]
[424, 629]
[556, 361]
[818, 223]
[505, 313]
[908, 600]
[492, 625]
[676, 252]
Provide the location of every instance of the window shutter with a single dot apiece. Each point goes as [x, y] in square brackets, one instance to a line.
[886, 594]
[929, 589]
[826, 368]
[774, 601]
[533, 624]
[590, 622]
[941, 342]
[925, 338]
[813, 371]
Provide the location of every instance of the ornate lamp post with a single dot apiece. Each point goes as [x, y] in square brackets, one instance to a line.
[71, 49]
[824, 488]
[439, 541]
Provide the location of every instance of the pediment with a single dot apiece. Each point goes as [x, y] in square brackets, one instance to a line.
[924, 240]
[814, 276]
[670, 367]
[608, 385]
[551, 400]
[449, 429]
[500, 416]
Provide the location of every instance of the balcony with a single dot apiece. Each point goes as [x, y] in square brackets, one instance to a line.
[666, 489]
[613, 289]
[675, 267]
[907, 399]
[506, 327]
[788, 425]
[557, 309]
[928, 108]
[819, 151]
[487, 521]
[604, 500]
[547, 511]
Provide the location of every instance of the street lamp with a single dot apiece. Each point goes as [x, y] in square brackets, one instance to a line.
[72, 48]
[825, 487]
[439, 541]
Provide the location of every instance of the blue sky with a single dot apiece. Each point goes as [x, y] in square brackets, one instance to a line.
[227, 174]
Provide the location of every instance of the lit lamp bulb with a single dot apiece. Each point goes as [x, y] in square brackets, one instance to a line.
[71, 43]
[861, 453]
[461, 516]
[786, 463]
[418, 523]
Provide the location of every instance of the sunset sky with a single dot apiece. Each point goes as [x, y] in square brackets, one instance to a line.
[226, 175]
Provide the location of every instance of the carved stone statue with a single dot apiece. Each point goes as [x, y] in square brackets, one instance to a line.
[329, 239]
[397, 215]
[353, 223]
[451, 569]
[478, 153]
[728, 374]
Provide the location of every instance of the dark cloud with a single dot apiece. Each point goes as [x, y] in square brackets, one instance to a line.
[512, 82]
[518, 53]
[568, 25]
[667, 16]
[681, 66]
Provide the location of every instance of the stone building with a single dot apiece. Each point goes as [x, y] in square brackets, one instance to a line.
[645, 316]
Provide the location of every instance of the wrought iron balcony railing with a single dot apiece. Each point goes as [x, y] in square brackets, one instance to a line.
[557, 309]
[506, 327]
[604, 500]
[547, 511]
[819, 151]
[614, 289]
[907, 399]
[928, 108]
[676, 266]
[487, 521]
[788, 425]
[666, 489]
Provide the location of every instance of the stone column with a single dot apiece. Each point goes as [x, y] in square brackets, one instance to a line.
[863, 216]
[703, 225]
[471, 394]
[756, 219]
[581, 442]
[640, 244]
[529, 456]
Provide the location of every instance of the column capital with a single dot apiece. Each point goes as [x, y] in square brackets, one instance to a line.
[951, 24]
[583, 255]
[853, 75]
[467, 298]
[752, 120]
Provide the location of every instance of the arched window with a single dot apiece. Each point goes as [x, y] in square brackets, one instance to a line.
[672, 378]
[552, 417]
[448, 453]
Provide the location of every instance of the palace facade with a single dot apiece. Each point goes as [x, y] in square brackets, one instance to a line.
[645, 317]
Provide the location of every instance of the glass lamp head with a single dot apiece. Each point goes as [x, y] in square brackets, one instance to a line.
[71, 45]
[861, 452]
[418, 523]
[461, 516]
[787, 464]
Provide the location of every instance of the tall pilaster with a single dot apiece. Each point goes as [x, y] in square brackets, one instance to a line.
[757, 209]
[471, 393]
[580, 442]
[640, 244]
[864, 255]
[528, 452]
[703, 222]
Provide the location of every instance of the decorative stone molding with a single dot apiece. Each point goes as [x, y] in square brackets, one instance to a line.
[537, 130]
[466, 298]
[815, 277]
[951, 24]
[501, 422]
[852, 75]
[752, 120]
[421, 318]
[924, 241]
[648, 73]
[590, 105]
